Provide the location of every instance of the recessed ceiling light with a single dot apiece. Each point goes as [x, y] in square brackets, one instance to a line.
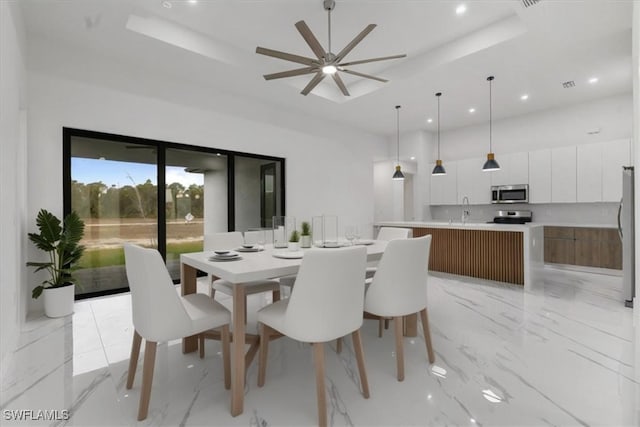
[472, 110]
[524, 97]
[167, 4]
[461, 9]
[193, 1]
[593, 80]
[218, 154]
[413, 158]
[429, 120]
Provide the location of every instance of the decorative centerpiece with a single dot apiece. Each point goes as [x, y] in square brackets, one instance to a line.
[294, 241]
[305, 235]
[62, 243]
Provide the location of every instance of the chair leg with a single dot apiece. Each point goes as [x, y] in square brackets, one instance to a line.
[133, 360]
[264, 349]
[276, 295]
[318, 353]
[380, 322]
[357, 346]
[386, 323]
[427, 335]
[226, 356]
[339, 345]
[245, 310]
[397, 323]
[201, 345]
[147, 378]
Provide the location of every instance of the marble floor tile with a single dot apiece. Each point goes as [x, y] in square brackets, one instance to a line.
[564, 354]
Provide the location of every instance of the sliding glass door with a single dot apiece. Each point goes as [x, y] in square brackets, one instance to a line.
[159, 195]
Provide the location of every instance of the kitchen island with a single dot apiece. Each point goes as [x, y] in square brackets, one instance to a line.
[510, 253]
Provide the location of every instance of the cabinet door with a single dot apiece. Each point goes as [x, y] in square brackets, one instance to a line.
[589, 172]
[449, 190]
[466, 175]
[615, 154]
[501, 177]
[436, 187]
[540, 176]
[518, 168]
[563, 175]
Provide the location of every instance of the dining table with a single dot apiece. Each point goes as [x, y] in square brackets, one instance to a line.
[265, 263]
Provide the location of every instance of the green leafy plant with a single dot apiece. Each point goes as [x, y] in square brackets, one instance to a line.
[62, 243]
[295, 236]
[306, 229]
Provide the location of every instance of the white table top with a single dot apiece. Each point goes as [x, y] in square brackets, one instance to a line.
[260, 265]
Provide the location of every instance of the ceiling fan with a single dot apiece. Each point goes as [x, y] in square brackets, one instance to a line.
[326, 63]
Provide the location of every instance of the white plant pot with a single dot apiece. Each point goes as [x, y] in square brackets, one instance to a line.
[58, 302]
[305, 241]
[294, 246]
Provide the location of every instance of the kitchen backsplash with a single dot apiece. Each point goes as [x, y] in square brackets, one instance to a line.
[556, 213]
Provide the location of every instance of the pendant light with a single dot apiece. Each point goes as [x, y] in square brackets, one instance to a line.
[398, 175]
[439, 169]
[490, 164]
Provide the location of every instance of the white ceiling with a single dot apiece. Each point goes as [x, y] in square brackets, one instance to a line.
[212, 43]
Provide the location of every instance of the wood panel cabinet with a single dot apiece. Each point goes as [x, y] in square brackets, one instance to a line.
[590, 247]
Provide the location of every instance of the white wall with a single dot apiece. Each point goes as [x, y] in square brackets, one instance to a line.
[12, 178]
[635, 153]
[544, 129]
[323, 174]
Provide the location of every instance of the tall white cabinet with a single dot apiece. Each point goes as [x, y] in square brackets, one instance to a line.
[473, 182]
[589, 172]
[444, 187]
[514, 169]
[540, 176]
[563, 175]
[615, 154]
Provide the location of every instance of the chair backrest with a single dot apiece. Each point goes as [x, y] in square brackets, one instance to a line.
[223, 241]
[158, 313]
[327, 301]
[393, 233]
[399, 286]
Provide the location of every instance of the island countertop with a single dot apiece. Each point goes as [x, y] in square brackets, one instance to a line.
[459, 225]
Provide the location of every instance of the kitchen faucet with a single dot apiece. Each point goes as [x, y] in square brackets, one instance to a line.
[466, 209]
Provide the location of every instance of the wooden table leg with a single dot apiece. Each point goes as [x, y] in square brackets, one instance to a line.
[188, 286]
[411, 325]
[237, 386]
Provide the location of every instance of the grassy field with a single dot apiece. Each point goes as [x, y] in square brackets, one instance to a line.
[104, 257]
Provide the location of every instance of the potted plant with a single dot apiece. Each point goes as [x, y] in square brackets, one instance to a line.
[61, 241]
[305, 235]
[294, 241]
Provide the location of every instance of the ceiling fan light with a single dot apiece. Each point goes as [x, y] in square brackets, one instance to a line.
[439, 169]
[490, 165]
[398, 175]
[329, 69]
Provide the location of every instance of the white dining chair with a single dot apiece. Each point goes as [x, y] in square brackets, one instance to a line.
[387, 234]
[160, 314]
[324, 305]
[229, 241]
[399, 288]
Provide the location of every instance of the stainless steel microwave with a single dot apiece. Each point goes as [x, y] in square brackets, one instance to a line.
[510, 193]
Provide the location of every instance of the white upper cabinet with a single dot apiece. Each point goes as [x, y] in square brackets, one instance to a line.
[514, 169]
[473, 182]
[444, 187]
[540, 176]
[615, 154]
[563, 174]
[589, 172]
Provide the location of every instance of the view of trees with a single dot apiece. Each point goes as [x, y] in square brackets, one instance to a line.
[97, 200]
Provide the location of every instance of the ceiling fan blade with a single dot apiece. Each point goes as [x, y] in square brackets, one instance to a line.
[348, 48]
[290, 73]
[366, 76]
[311, 40]
[340, 83]
[313, 83]
[364, 61]
[286, 56]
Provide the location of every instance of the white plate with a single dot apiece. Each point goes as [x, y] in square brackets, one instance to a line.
[254, 249]
[365, 242]
[289, 254]
[224, 258]
[225, 253]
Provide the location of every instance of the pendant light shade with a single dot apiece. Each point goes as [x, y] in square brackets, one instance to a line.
[398, 175]
[491, 164]
[439, 169]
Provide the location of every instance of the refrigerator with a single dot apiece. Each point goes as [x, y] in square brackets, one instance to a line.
[627, 235]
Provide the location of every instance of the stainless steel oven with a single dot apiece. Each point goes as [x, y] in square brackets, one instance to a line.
[510, 193]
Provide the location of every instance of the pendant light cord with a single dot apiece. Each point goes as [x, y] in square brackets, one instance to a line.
[398, 132]
[490, 116]
[438, 95]
[329, 13]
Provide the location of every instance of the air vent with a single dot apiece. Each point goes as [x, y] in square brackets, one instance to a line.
[529, 3]
[569, 84]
